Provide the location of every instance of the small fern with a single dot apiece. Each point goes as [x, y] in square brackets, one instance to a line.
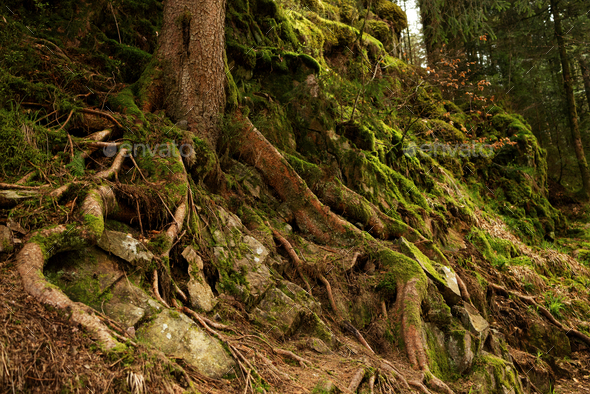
[76, 166]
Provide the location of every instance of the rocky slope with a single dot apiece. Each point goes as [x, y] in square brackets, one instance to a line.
[456, 275]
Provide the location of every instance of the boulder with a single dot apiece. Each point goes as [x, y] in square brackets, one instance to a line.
[495, 375]
[545, 337]
[452, 351]
[278, 311]
[177, 335]
[318, 345]
[193, 259]
[95, 278]
[287, 314]
[125, 246]
[255, 277]
[200, 293]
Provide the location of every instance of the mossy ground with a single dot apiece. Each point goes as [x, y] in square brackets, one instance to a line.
[300, 72]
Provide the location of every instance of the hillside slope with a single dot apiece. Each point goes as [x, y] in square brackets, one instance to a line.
[353, 231]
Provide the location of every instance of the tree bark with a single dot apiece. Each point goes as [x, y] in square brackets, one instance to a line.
[191, 54]
[586, 78]
[571, 103]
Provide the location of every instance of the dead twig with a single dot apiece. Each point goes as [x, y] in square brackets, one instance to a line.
[66, 122]
[291, 355]
[71, 146]
[103, 114]
[352, 329]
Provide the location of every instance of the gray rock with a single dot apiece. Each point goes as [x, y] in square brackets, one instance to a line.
[177, 335]
[191, 256]
[125, 246]
[472, 320]
[495, 376]
[318, 345]
[460, 351]
[230, 220]
[454, 346]
[278, 311]
[200, 293]
[496, 344]
[258, 278]
[298, 294]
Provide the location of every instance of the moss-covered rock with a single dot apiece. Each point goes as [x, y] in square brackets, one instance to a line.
[176, 334]
[495, 375]
[393, 13]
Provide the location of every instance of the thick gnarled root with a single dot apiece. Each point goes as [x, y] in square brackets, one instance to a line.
[311, 216]
[409, 298]
[47, 242]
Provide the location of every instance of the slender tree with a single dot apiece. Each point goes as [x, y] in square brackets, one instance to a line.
[585, 68]
[571, 102]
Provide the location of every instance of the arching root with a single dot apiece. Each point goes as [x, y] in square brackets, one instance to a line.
[47, 242]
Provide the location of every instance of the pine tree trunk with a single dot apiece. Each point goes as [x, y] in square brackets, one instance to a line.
[571, 103]
[428, 26]
[586, 78]
[191, 53]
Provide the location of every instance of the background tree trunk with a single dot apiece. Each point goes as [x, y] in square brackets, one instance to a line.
[191, 53]
[571, 103]
[585, 77]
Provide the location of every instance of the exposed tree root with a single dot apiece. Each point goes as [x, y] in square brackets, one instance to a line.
[419, 386]
[356, 379]
[20, 187]
[357, 208]
[115, 167]
[352, 329]
[26, 178]
[291, 252]
[355, 257]
[311, 216]
[330, 295]
[156, 290]
[47, 242]
[180, 293]
[57, 193]
[463, 289]
[388, 367]
[571, 332]
[292, 356]
[408, 306]
[66, 122]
